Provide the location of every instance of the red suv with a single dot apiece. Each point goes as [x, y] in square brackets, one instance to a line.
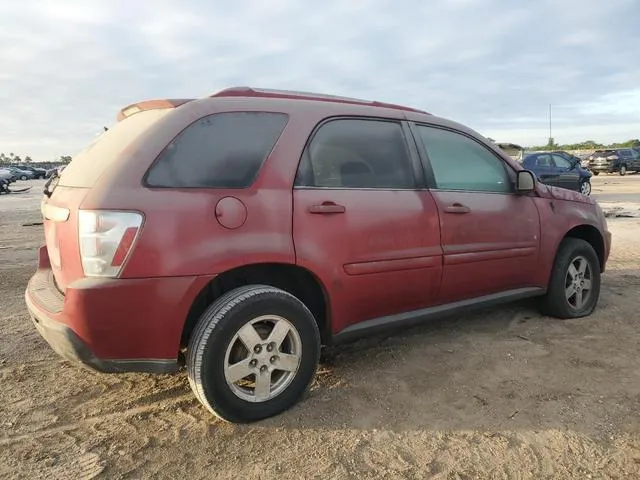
[238, 233]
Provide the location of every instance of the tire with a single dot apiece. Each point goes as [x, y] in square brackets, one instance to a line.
[216, 339]
[596, 173]
[23, 177]
[585, 187]
[623, 170]
[555, 303]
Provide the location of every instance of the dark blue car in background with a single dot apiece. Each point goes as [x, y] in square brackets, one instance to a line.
[559, 170]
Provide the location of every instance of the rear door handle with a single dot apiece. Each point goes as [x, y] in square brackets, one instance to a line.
[327, 208]
[457, 208]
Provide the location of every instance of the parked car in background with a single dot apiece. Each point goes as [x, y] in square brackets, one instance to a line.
[238, 233]
[21, 174]
[559, 171]
[515, 151]
[572, 158]
[619, 160]
[37, 172]
[7, 175]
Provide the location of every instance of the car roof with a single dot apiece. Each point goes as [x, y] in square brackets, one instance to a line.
[250, 92]
[288, 100]
[294, 103]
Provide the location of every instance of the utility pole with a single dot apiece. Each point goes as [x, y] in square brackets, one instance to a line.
[550, 130]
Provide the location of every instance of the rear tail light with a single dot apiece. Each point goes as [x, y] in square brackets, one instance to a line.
[106, 239]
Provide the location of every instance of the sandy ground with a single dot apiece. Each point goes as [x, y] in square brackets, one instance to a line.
[500, 394]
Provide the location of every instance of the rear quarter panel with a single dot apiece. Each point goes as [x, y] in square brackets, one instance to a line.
[181, 234]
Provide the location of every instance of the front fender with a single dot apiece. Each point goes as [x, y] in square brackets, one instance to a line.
[560, 217]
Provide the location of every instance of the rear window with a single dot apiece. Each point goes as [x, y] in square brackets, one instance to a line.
[223, 150]
[87, 166]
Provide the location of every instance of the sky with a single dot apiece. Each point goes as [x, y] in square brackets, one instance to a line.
[67, 67]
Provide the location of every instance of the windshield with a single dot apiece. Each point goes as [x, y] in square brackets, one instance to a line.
[88, 165]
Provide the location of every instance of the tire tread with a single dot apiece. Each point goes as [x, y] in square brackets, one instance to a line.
[209, 322]
[553, 304]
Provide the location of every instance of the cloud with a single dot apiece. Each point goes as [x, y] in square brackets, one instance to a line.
[67, 67]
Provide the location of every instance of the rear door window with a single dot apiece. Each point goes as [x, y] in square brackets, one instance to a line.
[223, 150]
[358, 153]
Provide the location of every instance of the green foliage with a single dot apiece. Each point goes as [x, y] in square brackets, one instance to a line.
[12, 158]
[586, 145]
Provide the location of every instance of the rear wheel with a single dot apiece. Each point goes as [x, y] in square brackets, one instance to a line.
[585, 187]
[253, 353]
[596, 173]
[623, 170]
[574, 287]
[23, 177]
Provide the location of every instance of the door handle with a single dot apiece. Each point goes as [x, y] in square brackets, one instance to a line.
[327, 208]
[457, 208]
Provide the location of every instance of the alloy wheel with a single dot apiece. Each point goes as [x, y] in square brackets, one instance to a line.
[578, 283]
[262, 358]
[585, 188]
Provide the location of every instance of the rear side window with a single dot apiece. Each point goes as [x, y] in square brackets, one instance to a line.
[223, 150]
[357, 153]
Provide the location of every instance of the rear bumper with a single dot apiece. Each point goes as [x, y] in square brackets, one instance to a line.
[113, 325]
[64, 341]
[604, 168]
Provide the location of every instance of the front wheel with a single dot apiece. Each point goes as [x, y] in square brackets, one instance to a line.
[574, 286]
[585, 187]
[253, 353]
[623, 170]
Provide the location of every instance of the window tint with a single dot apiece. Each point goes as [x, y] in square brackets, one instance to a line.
[224, 150]
[353, 153]
[625, 153]
[460, 163]
[540, 160]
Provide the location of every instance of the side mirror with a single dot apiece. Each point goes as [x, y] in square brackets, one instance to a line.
[525, 182]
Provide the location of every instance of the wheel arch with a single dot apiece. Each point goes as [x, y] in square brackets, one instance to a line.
[592, 235]
[294, 279]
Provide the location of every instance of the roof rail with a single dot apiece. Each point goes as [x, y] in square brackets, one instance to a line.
[296, 95]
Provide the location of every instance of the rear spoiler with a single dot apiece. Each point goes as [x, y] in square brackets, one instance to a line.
[150, 105]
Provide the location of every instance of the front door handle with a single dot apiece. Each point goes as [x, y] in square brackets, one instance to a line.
[457, 208]
[327, 208]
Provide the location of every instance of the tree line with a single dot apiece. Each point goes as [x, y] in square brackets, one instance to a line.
[586, 145]
[12, 158]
